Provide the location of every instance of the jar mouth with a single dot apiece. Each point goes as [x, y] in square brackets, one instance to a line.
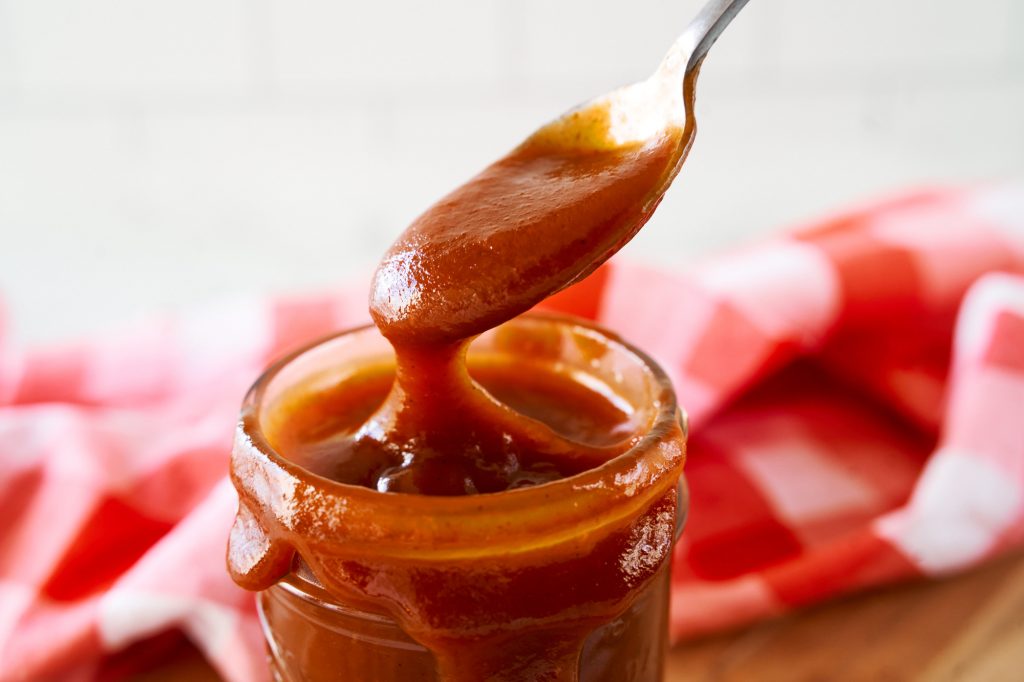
[613, 490]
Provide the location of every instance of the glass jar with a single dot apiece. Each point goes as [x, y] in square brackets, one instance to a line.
[563, 581]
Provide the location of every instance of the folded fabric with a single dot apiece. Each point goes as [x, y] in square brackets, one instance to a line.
[855, 392]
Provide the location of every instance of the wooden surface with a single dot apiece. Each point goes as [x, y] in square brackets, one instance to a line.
[967, 628]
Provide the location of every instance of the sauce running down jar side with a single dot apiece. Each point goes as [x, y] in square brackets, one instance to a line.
[562, 581]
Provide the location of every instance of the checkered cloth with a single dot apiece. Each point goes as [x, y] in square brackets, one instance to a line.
[856, 394]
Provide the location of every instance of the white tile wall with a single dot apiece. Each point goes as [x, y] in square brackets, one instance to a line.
[596, 46]
[162, 152]
[881, 38]
[768, 160]
[384, 45]
[7, 81]
[129, 47]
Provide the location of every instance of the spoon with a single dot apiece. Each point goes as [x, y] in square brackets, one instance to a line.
[532, 223]
[551, 211]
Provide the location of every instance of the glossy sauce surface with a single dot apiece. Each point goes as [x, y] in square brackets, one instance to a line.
[529, 225]
[317, 433]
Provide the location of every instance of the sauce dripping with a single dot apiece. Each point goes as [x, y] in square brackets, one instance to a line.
[534, 222]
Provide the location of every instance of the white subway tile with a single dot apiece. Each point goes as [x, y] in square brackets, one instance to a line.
[291, 190]
[596, 46]
[68, 187]
[767, 161]
[7, 70]
[128, 46]
[1014, 28]
[314, 42]
[933, 37]
[98, 228]
[426, 149]
[749, 47]
[54, 168]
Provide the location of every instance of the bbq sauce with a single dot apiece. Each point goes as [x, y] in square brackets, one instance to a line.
[529, 225]
[532, 223]
[318, 431]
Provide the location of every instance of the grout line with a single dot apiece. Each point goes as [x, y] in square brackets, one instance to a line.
[259, 48]
[7, 53]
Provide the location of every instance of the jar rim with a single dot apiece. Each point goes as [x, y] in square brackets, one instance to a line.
[308, 589]
[473, 523]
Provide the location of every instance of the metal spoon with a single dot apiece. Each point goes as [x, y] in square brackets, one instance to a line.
[644, 110]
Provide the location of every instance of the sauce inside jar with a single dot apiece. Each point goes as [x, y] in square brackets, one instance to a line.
[530, 224]
[561, 579]
[317, 431]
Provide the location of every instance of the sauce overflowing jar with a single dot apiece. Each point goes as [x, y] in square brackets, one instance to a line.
[561, 578]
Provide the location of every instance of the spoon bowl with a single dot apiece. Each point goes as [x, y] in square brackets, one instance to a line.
[551, 211]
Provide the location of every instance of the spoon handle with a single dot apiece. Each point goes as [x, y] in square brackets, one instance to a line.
[691, 47]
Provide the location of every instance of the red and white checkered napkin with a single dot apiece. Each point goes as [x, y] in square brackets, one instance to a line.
[856, 393]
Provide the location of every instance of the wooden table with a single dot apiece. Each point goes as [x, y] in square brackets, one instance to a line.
[967, 628]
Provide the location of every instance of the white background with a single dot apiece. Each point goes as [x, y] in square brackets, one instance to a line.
[154, 153]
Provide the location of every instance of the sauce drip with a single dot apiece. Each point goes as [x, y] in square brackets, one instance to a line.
[529, 225]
